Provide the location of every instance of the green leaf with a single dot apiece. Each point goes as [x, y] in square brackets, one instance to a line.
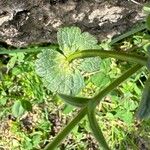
[16, 58]
[125, 115]
[88, 65]
[87, 42]
[75, 101]
[68, 39]
[68, 108]
[3, 101]
[26, 105]
[58, 75]
[37, 137]
[17, 109]
[71, 40]
[144, 107]
[147, 49]
[100, 79]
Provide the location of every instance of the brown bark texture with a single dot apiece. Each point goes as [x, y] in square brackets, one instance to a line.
[28, 22]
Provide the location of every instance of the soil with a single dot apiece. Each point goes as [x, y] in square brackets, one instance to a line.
[24, 22]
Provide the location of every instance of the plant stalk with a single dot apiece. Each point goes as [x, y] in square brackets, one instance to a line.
[58, 139]
[96, 100]
[105, 54]
[96, 129]
[129, 33]
[26, 50]
[115, 83]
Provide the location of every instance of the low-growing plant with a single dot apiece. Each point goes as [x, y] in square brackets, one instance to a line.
[63, 70]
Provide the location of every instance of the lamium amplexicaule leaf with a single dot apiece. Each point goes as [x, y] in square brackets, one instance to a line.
[61, 76]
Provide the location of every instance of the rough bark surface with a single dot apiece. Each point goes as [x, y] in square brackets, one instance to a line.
[25, 22]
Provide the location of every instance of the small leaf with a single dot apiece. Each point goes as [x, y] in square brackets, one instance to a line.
[3, 101]
[72, 39]
[12, 62]
[16, 58]
[68, 108]
[17, 109]
[75, 101]
[26, 105]
[100, 79]
[144, 107]
[68, 39]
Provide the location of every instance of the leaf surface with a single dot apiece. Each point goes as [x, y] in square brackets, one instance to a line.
[72, 40]
[17, 109]
[58, 74]
[26, 105]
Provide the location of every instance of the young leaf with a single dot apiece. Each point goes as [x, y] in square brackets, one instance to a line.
[75, 101]
[144, 107]
[17, 109]
[100, 79]
[72, 39]
[58, 74]
[67, 109]
[26, 105]
[68, 39]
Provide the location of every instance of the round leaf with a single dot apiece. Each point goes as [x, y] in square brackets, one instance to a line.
[26, 105]
[17, 109]
[58, 75]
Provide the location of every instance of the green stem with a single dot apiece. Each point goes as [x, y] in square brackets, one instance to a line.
[93, 103]
[104, 54]
[144, 106]
[96, 129]
[26, 50]
[83, 111]
[133, 31]
[66, 130]
[115, 83]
